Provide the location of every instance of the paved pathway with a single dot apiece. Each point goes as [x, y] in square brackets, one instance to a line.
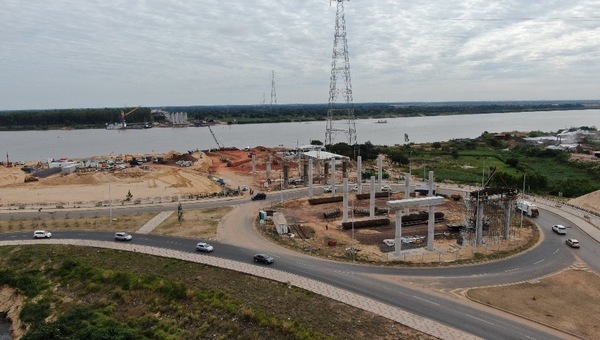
[154, 222]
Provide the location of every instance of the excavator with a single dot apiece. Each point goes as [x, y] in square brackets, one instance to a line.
[124, 114]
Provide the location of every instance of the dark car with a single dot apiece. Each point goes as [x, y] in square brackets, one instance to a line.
[259, 196]
[263, 258]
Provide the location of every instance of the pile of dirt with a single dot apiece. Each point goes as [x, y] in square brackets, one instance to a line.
[589, 202]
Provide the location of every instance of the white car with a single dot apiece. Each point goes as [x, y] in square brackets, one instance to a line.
[205, 247]
[329, 189]
[559, 229]
[386, 188]
[354, 188]
[42, 234]
[123, 236]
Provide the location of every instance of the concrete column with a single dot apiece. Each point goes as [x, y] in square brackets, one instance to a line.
[345, 199]
[407, 180]
[310, 178]
[359, 173]
[372, 198]
[398, 237]
[305, 166]
[430, 228]
[344, 169]
[479, 223]
[507, 212]
[380, 170]
[333, 177]
[430, 184]
[268, 174]
[286, 176]
[253, 163]
[326, 173]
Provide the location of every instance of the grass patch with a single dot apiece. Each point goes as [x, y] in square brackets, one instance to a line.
[119, 294]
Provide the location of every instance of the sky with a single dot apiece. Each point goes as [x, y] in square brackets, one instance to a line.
[124, 53]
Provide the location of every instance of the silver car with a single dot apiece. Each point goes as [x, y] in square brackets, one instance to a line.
[205, 247]
[123, 236]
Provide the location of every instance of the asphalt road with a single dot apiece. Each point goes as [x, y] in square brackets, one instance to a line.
[238, 241]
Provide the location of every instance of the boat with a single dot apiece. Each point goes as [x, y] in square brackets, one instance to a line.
[382, 121]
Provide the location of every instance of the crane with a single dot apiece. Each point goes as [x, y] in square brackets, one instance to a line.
[215, 138]
[123, 114]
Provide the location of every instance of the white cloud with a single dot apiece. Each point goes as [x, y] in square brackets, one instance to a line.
[68, 53]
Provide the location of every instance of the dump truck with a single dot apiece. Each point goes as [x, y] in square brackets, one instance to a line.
[527, 208]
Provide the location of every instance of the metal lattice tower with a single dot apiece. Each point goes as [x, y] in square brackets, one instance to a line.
[340, 108]
[273, 94]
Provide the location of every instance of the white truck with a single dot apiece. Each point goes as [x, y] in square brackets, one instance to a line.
[527, 208]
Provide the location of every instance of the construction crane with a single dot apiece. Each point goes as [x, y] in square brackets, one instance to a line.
[215, 138]
[123, 114]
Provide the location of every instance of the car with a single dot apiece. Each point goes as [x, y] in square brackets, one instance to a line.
[559, 229]
[386, 188]
[329, 189]
[354, 188]
[573, 243]
[264, 258]
[205, 247]
[42, 234]
[259, 196]
[123, 236]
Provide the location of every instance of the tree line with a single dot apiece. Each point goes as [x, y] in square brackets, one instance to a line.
[253, 114]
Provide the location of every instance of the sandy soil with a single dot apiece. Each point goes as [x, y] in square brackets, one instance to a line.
[147, 181]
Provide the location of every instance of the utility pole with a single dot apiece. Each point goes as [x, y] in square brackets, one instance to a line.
[340, 108]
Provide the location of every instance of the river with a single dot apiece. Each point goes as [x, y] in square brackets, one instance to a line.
[41, 145]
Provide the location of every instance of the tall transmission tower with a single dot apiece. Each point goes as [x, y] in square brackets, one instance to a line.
[273, 94]
[340, 109]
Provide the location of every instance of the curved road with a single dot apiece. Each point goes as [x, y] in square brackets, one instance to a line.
[406, 288]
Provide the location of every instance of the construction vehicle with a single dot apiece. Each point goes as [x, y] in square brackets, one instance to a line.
[123, 115]
[527, 208]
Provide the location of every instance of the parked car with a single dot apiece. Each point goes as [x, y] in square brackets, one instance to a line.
[123, 236]
[559, 229]
[205, 247]
[573, 243]
[354, 188]
[259, 196]
[263, 258]
[42, 234]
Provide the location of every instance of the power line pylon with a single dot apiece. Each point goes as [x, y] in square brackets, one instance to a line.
[273, 94]
[340, 108]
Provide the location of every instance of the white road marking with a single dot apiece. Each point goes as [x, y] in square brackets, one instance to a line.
[556, 251]
[420, 298]
[476, 318]
[510, 270]
[540, 261]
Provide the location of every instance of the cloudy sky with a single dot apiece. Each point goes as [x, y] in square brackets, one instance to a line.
[114, 53]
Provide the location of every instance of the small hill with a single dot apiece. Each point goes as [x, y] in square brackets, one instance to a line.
[590, 201]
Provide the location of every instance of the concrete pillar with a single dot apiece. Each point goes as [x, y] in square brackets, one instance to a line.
[398, 237]
[430, 184]
[359, 173]
[430, 228]
[286, 175]
[326, 173]
[407, 180]
[372, 198]
[345, 169]
[479, 223]
[380, 170]
[333, 177]
[268, 173]
[507, 212]
[345, 199]
[310, 178]
[305, 174]
[253, 163]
